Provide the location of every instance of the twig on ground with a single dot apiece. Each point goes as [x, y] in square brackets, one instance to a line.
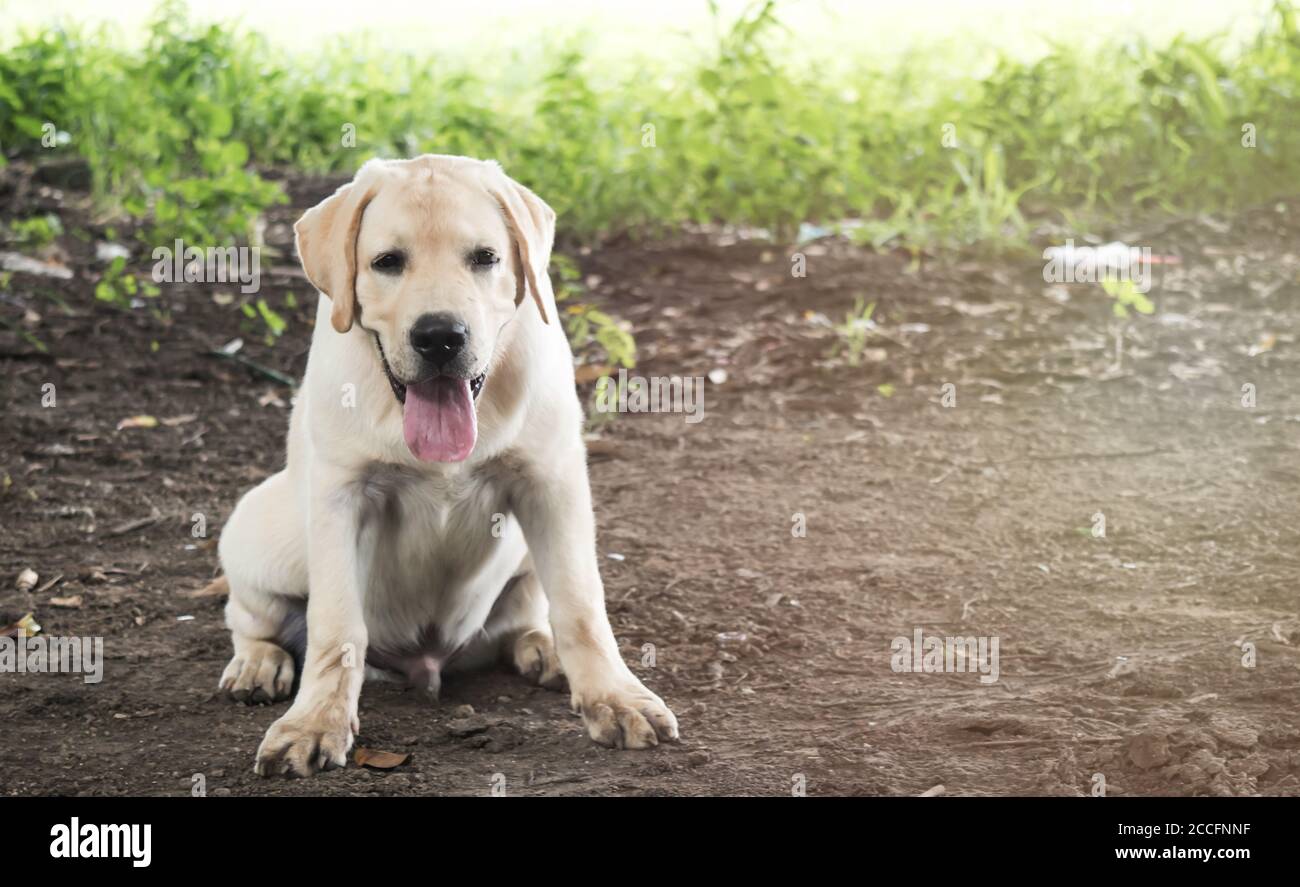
[274, 375]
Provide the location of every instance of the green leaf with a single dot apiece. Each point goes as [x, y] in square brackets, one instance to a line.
[235, 154]
[274, 322]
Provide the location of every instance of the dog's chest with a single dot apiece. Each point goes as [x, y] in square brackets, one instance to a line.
[435, 554]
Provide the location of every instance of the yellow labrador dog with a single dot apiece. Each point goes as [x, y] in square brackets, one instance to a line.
[434, 512]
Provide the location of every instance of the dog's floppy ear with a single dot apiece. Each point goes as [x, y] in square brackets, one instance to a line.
[326, 236]
[532, 233]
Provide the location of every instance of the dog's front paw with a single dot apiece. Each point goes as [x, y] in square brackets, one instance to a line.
[302, 743]
[626, 715]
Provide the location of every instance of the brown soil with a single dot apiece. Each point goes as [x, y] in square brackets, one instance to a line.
[1120, 656]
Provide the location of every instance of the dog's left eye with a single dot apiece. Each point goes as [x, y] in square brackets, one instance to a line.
[483, 258]
[389, 263]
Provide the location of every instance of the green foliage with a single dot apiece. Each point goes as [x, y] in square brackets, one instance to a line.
[155, 127]
[178, 133]
[1126, 296]
[175, 132]
[272, 321]
[119, 287]
[37, 231]
[588, 327]
[854, 333]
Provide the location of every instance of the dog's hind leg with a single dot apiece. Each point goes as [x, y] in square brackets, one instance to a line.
[263, 552]
[520, 627]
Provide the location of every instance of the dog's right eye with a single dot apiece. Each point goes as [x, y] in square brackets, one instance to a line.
[390, 263]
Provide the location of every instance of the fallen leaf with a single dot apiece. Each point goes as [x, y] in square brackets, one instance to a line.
[599, 448]
[218, 587]
[378, 760]
[23, 628]
[590, 372]
[137, 422]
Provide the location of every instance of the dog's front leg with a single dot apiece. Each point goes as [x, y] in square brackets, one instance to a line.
[554, 510]
[316, 732]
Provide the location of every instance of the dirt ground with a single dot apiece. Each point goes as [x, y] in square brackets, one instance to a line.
[1120, 655]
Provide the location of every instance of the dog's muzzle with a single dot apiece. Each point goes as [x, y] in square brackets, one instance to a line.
[399, 387]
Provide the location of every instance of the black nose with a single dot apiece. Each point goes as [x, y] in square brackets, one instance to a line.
[439, 338]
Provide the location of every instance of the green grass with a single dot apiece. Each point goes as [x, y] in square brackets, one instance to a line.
[175, 131]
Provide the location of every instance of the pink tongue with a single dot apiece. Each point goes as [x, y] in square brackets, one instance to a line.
[438, 420]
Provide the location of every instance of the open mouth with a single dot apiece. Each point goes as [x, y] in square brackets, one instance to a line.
[439, 421]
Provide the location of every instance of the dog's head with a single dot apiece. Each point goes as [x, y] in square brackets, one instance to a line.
[432, 257]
